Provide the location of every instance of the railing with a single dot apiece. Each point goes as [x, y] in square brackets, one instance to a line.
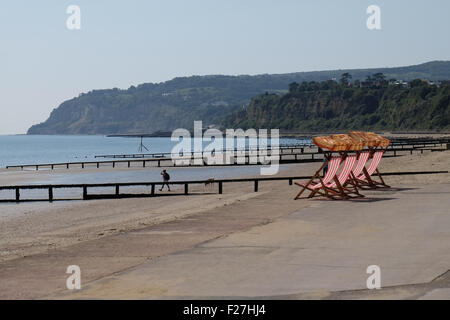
[220, 182]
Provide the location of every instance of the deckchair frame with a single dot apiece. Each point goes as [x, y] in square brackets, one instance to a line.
[366, 181]
[333, 190]
[337, 190]
[317, 176]
[363, 158]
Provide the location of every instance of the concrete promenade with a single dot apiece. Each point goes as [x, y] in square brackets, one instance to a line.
[267, 246]
[317, 252]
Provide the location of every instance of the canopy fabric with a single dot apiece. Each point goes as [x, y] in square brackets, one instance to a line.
[371, 138]
[354, 141]
[352, 144]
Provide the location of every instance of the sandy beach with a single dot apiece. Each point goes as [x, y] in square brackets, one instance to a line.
[108, 237]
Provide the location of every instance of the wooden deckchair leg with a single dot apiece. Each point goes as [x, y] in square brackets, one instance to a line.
[379, 176]
[381, 179]
[313, 193]
[368, 178]
[324, 187]
[354, 189]
[316, 175]
[304, 187]
[338, 184]
[355, 180]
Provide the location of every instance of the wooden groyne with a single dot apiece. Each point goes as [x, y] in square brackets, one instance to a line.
[281, 148]
[172, 162]
[396, 144]
[303, 153]
[117, 194]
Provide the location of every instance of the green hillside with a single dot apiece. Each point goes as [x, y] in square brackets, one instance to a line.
[331, 106]
[177, 103]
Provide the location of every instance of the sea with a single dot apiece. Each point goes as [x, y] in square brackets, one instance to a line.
[47, 149]
[36, 149]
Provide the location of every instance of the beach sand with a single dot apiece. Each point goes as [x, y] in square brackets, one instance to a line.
[101, 235]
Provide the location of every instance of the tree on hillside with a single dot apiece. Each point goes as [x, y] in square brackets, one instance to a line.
[293, 87]
[417, 83]
[345, 78]
[378, 77]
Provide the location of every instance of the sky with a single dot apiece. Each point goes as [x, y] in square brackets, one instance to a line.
[128, 42]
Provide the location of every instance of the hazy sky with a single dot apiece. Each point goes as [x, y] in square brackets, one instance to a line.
[123, 43]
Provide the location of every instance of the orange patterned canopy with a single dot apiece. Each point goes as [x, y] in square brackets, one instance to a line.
[355, 140]
[371, 138]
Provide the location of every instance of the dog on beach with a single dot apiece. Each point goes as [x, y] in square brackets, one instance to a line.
[209, 182]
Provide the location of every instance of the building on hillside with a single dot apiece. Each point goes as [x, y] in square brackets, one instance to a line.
[402, 83]
[429, 82]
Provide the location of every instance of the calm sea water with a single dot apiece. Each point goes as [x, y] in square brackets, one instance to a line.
[25, 149]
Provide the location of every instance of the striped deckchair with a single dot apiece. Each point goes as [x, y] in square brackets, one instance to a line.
[365, 179]
[335, 189]
[316, 181]
[358, 169]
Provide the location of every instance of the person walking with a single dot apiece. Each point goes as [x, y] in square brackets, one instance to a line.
[166, 178]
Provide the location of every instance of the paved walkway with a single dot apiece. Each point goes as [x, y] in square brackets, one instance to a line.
[321, 251]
